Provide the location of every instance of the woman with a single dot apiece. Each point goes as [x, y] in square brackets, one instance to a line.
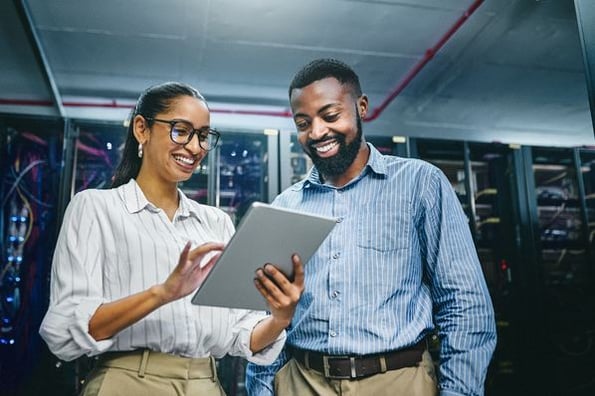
[123, 267]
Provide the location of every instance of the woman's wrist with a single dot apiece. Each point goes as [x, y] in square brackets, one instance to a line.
[160, 293]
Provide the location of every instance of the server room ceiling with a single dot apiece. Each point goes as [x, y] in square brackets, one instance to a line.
[513, 72]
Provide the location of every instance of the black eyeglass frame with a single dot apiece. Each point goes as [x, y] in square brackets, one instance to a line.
[212, 133]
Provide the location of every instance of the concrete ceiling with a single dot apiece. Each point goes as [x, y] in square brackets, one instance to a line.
[513, 72]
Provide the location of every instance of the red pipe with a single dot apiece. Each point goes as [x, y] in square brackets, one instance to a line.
[429, 54]
[375, 113]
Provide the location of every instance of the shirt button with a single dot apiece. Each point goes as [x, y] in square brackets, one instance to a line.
[333, 334]
[339, 219]
[336, 255]
[335, 294]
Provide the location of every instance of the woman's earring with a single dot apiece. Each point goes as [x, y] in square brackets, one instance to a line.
[140, 150]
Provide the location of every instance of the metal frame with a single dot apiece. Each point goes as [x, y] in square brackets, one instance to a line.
[585, 14]
[576, 160]
[469, 189]
[528, 285]
[273, 164]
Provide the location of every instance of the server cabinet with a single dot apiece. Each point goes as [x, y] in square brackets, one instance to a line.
[243, 169]
[483, 178]
[392, 145]
[30, 162]
[561, 178]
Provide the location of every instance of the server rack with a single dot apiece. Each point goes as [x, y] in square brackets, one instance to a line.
[483, 178]
[30, 160]
[565, 252]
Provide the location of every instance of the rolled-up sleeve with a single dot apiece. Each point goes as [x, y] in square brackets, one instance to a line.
[76, 289]
[247, 321]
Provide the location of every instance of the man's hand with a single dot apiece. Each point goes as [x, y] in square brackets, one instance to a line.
[282, 295]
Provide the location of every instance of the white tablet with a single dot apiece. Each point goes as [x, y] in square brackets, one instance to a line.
[266, 234]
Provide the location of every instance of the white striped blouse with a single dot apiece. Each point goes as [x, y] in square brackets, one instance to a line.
[400, 262]
[114, 243]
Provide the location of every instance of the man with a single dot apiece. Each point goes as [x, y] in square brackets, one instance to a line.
[399, 263]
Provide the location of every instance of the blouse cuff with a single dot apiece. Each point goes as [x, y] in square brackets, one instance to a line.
[80, 330]
[265, 356]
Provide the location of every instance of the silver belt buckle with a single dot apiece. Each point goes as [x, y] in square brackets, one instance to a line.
[327, 366]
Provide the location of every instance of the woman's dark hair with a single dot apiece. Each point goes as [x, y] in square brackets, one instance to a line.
[152, 101]
[323, 68]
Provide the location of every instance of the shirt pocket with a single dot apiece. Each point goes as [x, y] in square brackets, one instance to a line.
[383, 228]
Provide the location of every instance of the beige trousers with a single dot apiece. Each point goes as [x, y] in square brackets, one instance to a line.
[152, 373]
[295, 379]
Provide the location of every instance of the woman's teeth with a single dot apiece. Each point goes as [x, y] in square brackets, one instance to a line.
[184, 160]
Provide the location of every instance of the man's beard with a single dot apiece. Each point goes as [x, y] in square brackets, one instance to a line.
[338, 163]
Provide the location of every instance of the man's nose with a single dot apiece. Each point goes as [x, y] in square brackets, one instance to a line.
[319, 129]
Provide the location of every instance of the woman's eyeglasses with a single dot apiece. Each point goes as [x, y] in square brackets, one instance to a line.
[182, 132]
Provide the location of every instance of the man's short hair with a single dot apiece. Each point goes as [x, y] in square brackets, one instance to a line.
[323, 68]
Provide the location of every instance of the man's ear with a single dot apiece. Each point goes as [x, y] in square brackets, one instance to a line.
[140, 129]
[362, 105]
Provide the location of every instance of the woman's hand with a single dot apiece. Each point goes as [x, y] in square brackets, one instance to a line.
[282, 295]
[110, 318]
[189, 273]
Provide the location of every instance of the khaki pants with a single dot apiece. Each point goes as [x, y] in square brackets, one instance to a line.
[152, 373]
[295, 379]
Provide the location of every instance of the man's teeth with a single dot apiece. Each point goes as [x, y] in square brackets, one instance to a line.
[184, 160]
[326, 147]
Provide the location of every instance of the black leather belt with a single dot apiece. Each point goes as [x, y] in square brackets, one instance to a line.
[353, 367]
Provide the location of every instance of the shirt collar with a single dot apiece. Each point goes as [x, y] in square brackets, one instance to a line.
[135, 200]
[186, 208]
[376, 164]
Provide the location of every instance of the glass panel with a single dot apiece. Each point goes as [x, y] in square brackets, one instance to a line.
[566, 265]
[390, 145]
[300, 162]
[449, 157]
[243, 172]
[384, 144]
[560, 221]
[98, 151]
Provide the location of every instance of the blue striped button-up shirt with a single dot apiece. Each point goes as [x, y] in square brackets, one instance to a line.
[400, 261]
